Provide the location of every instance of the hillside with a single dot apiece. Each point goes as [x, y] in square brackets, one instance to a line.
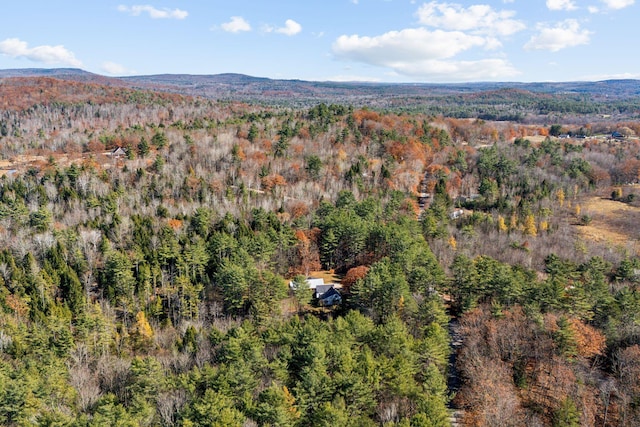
[148, 238]
[606, 88]
[19, 93]
[524, 102]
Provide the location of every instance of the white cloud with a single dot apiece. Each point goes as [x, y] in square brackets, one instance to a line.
[17, 48]
[423, 54]
[154, 13]
[618, 4]
[593, 9]
[237, 24]
[561, 5]
[115, 69]
[480, 18]
[563, 35]
[430, 52]
[395, 46]
[291, 28]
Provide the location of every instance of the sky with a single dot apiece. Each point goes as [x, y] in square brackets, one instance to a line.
[329, 40]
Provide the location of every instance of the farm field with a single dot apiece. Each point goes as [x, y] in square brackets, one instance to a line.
[612, 222]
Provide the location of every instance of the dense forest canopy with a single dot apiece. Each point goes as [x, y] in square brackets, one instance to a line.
[148, 241]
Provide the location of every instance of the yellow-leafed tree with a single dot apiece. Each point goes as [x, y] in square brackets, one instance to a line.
[530, 228]
[560, 196]
[502, 225]
[142, 332]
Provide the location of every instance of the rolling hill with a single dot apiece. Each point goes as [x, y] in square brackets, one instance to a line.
[532, 102]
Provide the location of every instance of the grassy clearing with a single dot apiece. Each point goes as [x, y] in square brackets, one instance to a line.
[612, 222]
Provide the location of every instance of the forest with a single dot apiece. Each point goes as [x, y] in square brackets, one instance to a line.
[155, 251]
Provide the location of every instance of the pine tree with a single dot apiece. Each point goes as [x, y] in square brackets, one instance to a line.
[253, 133]
[159, 139]
[143, 147]
[567, 414]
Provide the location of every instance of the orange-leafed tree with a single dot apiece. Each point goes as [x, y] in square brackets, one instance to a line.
[272, 181]
[589, 341]
[353, 275]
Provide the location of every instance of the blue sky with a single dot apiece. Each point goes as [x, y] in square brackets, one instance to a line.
[364, 40]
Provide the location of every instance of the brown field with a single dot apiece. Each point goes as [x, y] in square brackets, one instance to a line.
[22, 163]
[613, 222]
[536, 139]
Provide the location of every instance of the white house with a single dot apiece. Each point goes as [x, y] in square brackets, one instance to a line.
[326, 294]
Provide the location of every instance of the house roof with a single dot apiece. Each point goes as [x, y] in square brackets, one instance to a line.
[119, 151]
[322, 290]
[331, 292]
[313, 283]
[331, 297]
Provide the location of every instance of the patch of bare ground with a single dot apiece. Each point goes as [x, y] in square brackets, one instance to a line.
[536, 139]
[612, 222]
[22, 163]
[288, 307]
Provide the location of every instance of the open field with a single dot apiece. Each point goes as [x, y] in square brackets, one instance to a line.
[24, 162]
[612, 222]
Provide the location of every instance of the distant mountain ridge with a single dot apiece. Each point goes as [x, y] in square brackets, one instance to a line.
[44, 72]
[539, 102]
[241, 85]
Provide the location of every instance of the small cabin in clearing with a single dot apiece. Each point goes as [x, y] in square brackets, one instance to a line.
[118, 152]
[326, 294]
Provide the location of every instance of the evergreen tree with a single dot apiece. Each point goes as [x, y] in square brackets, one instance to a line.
[566, 415]
[143, 147]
